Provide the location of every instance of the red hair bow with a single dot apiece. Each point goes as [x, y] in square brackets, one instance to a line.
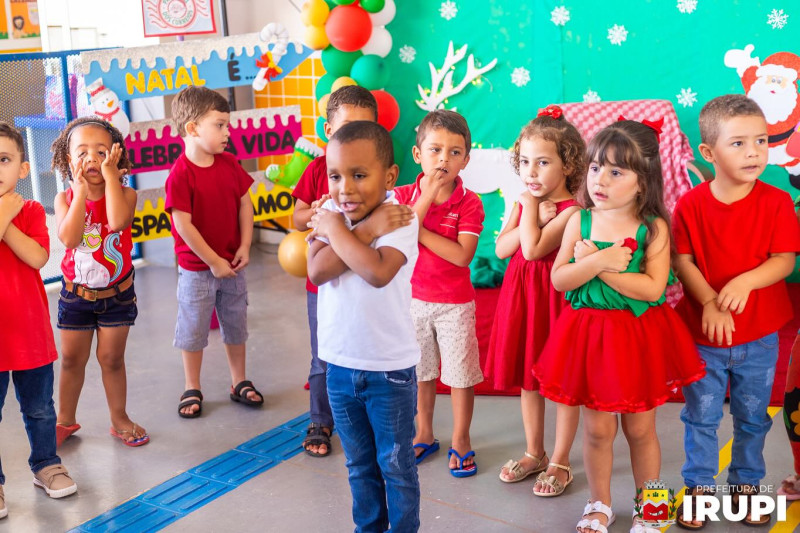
[655, 125]
[551, 111]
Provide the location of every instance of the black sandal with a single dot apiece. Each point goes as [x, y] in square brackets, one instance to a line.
[743, 492]
[316, 436]
[194, 394]
[240, 391]
[679, 513]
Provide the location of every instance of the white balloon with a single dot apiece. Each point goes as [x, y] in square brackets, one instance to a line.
[380, 42]
[385, 15]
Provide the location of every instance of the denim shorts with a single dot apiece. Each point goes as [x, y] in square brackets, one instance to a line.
[199, 293]
[78, 314]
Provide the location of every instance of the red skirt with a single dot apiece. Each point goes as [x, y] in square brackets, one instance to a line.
[527, 309]
[613, 361]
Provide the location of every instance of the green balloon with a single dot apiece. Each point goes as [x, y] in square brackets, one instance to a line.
[331, 4]
[324, 85]
[372, 6]
[343, 2]
[320, 128]
[370, 72]
[337, 62]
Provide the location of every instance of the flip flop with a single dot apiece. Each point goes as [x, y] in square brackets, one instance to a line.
[63, 432]
[427, 449]
[794, 482]
[463, 471]
[141, 441]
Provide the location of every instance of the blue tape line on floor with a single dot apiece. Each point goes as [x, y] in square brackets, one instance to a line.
[170, 501]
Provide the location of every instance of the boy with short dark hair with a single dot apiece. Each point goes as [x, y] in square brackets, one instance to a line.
[27, 345]
[212, 222]
[366, 336]
[736, 239]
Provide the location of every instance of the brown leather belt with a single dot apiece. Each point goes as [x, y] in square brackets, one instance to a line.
[95, 294]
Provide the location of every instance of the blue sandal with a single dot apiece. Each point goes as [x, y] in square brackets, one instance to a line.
[463, 471]
[427, 449]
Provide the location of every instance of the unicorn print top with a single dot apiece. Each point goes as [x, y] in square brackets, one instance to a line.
[103, 258]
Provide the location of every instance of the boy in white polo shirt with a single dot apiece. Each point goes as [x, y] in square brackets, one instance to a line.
[365, 331]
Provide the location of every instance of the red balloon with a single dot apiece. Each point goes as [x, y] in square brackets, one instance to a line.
[388, 110]
[348, 27]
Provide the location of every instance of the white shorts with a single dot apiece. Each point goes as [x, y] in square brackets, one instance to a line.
[446, 335]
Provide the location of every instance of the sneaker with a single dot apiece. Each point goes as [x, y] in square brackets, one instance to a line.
[3, 510]
[55, 481]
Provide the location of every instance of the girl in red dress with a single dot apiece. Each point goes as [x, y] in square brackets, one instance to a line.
[618, 348]
[549, 157]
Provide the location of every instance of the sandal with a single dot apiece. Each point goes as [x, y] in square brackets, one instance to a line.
[240, 391]
[743, 492]
[519, 473]
[594, 524]
[137, 441]
[461, 470]
[316, 436]
[553, 482]
[63, 432]
[427, 449]
[790, 487]
[194, 394]
[679, 513]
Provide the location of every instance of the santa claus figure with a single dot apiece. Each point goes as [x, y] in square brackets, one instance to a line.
[773, 85]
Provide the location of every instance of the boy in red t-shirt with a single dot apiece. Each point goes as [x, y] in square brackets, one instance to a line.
[212, 223]
[350, 103]
[443, 304]
[27, 345]
[736, 239]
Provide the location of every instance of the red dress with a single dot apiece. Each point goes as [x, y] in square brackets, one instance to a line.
[527, 307]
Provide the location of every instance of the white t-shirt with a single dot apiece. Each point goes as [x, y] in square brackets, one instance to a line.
[366, 328]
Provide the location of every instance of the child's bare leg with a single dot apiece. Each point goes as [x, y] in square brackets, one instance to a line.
[237, 364]
[76, 346]
[426, 400]
[567, 417]
[599, 430]
[192, 361]
[111, 356]
[533, 423]
[463, 406]
[640, 432]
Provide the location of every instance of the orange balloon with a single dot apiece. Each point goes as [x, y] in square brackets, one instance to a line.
[293, 253]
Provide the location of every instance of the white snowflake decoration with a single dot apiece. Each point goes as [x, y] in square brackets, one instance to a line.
[520, 77]
[687, 6]
[407, 54]
[591, 97]
[777, 19]
[687, 98]
[559, 16]
[617, 34]
[448, 10]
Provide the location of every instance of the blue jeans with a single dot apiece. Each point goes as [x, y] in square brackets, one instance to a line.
[34, 389]
[750, 368]
[374, 415]
[320, 406]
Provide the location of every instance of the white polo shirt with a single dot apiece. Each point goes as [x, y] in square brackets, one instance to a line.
[365, 328]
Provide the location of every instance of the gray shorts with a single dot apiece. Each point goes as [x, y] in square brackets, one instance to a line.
[199, 293]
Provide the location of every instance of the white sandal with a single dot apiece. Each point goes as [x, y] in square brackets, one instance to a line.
[553, 482]
[639, 527]
[594, 524]
[515, 468]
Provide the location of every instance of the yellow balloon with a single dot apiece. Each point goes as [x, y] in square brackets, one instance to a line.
[316, 38]
[322, 106]
[314, 13]
[293, 252]
[341, 82]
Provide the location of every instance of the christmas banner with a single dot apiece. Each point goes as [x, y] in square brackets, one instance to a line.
[163, 18]
[155, 145]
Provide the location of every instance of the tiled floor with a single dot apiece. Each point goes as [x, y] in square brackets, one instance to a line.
[302, 493]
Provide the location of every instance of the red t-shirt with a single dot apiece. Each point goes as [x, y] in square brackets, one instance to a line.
[728, 240]
[311, 186]
[212, 195]
[27, 339]
[435, 279]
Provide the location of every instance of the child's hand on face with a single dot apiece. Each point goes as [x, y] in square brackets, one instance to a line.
[616, 257]
[733, 296]
[10, 205]
[79, 186]
[718, 325]
[435, 181]
[387, 218]
[322, 222]
[547, 212]
[220, 268]
[584, 248]
[109, 165]
[241, 259]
